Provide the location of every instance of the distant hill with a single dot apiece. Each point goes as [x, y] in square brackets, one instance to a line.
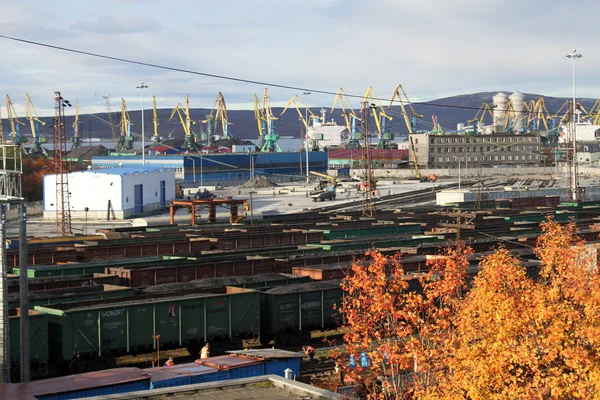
[447, 110]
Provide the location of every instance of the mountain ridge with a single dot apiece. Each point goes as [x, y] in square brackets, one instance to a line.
[448, 111]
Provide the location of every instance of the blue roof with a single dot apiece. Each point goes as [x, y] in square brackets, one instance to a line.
[126, 170]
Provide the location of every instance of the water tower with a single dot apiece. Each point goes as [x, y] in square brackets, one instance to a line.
[519, 118]
[500, 102]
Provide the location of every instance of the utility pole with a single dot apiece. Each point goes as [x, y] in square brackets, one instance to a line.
[142, 87]
[574, 187]
[11, 170]
[63, 210]
[306, 135]
[367, 204]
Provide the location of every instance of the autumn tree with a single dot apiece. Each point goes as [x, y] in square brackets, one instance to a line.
[506, 336]
[400, 328]
[517, 338]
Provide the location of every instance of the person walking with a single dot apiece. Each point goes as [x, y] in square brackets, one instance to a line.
[205, 353]
[169, 362]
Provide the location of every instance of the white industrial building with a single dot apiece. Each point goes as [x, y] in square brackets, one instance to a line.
[114, 193]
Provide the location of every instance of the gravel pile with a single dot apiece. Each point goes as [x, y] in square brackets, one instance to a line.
[259, 181]
[214, 282]
[305, 287]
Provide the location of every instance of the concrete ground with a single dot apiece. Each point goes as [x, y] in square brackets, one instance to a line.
[282, 199]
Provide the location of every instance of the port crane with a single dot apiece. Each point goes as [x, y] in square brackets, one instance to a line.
[384, 135]
[218, 113]
[312, 137]
[155, 123]
[126, 139]
[402, 97]
[109, 114]
[15, 124]
[538, 115]
[189, 142]
[263, 114]
[349, 116]
[36, 125]
[75, 139]
[479, 119]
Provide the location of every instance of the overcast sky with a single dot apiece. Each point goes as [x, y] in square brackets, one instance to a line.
[434, 48]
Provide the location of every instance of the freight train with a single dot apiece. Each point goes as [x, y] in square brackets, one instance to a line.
[87, 335]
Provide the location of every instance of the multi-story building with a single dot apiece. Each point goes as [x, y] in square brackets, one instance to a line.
[444, 150]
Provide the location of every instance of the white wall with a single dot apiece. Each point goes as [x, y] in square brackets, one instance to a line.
[88, 189]
[93, 190]
[151, 188]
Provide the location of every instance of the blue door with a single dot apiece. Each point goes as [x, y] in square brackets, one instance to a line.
[138, 199]
[163, 194]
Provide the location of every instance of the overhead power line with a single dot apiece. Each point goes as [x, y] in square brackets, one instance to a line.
[229, 78]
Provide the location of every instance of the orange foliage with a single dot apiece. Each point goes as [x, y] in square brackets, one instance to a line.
[508, 337]
[33, 172]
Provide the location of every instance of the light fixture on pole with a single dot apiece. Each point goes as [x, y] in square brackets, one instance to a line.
[574, 186]
[142, 87]
[306, 94]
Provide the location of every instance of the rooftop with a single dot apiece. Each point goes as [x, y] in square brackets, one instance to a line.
[125, 170]
[269, 387]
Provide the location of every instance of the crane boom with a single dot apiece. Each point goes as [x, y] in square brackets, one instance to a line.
[14, 120]
[190, 139]
[76, 141]
[400, 94]
[155, 123]
[35, 124]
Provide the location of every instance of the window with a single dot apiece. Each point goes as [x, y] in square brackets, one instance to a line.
[447, 159]
[468, 149]
[432, 141]
[489, 158]
[439, 150]
[416, 149]
[460, 149]
[440, 159]
[454, 140]
[447, 140]
[431, 159]
[454, 149]
[468, 140]
[503, 158]
[529, 157]
[447, 149]
[460, 140]
[440, 140]
[475, 158]
[509, 158]
[489, 148]
[416, 141]
[481, 149]
[468, 159]
[495, 140]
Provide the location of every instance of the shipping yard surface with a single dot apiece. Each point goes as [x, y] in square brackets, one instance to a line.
[98, 300]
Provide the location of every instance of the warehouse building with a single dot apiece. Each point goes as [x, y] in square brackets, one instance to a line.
[443, 151]
[114, 193]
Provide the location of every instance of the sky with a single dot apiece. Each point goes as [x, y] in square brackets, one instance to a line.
[434, 48]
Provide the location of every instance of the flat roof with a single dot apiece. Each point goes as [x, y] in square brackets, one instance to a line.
[138, 169]
[268, 387]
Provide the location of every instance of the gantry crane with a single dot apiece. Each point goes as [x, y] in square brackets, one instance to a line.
[312, 137]
[384, 135]
[594, 114]
[479, 120]
[155, 136]
[126, 139]
[218, 113]
[350, 118]
[189, 142]
[15, 124]
[409, 120]
[538, 115]
[263, 114]
[36, 125]
[113, 127]
[75, 139]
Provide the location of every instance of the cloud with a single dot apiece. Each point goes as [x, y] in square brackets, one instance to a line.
[435, 48]
[116, 25]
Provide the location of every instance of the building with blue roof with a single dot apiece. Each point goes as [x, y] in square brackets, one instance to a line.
[113, 193]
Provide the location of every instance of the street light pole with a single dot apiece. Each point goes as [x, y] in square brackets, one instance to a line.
[574, 187]
[142, 87]
[306, 94]
[458, 158]
[194, 169]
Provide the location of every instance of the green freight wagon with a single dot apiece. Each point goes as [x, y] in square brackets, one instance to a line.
[98, 267]
[371, 231]
[38, 338]
[291, 312]
[86, 332]
[69, 295]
